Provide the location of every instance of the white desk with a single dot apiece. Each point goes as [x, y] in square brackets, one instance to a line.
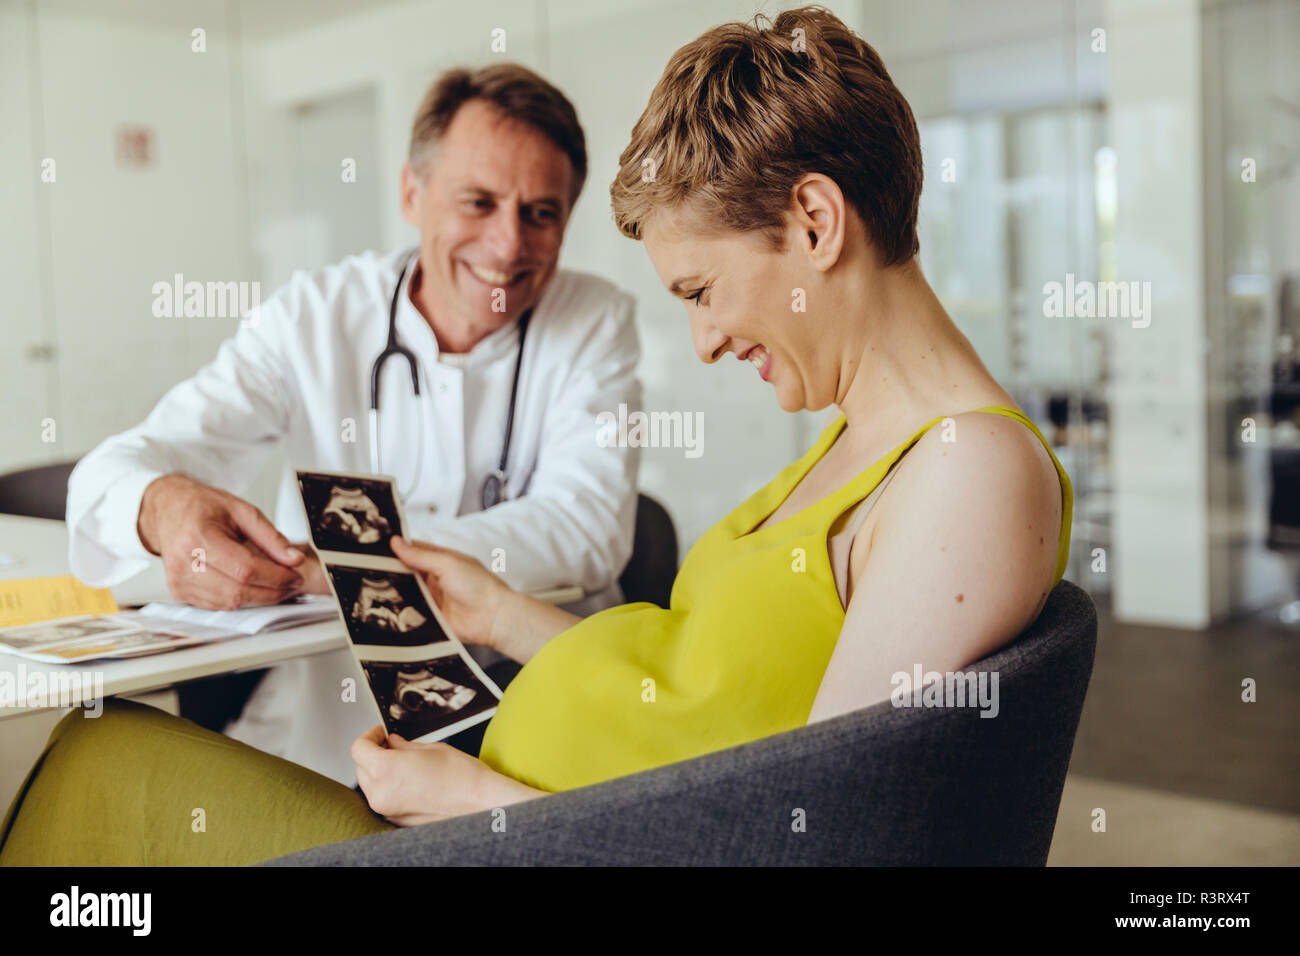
[41, 545]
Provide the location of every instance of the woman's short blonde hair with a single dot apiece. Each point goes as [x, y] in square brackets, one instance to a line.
[743, 112]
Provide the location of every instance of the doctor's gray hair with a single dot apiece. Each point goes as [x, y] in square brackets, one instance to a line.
[518, 93]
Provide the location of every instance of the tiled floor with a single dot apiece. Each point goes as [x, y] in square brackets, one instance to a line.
[1164, 711]
[1187, 772]
[1146, 827]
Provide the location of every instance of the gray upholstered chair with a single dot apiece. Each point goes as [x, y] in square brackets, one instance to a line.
[882, 786]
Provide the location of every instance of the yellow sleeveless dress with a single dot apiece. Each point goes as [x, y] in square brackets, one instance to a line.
[739, 653]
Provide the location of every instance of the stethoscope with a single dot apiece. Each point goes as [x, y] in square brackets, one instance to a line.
[494, 485]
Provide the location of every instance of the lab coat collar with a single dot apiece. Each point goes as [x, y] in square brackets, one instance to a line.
[415, 333]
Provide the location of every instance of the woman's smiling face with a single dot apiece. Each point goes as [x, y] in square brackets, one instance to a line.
[742, 297]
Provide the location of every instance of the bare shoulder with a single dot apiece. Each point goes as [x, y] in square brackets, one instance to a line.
[977, 459]
[979, 490]
[958, 563]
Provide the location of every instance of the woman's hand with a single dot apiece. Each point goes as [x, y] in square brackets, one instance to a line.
[471, 598]
[410, 784]
[313, 574]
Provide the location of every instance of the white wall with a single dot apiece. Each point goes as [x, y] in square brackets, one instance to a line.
[30, 384]
[394, 51]
[114, 230]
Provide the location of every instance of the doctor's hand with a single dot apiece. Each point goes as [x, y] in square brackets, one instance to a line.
[471, 598]
[219, 551]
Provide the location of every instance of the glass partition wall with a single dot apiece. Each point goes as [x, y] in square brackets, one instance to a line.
[1036, 204]
[1253, 298]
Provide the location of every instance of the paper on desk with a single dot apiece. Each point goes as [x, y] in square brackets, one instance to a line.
[92, 637]
[153, 629]
[249, 620]
[28, 600]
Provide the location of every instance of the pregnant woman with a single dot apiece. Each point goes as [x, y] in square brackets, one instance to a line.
[773, 179]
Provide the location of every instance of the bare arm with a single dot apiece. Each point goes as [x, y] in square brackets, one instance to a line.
[525, 624]
[959, 565]
[479, 606]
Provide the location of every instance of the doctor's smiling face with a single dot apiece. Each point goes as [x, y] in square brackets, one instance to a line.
[491, 198]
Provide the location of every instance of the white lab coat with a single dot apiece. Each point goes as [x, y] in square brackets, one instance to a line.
[299, 375]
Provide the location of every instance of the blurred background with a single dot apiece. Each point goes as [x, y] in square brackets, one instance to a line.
[1135, 140]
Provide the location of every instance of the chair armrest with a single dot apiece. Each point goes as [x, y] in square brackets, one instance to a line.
[736, 806]
[883, 785]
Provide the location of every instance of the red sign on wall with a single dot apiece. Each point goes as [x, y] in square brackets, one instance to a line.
[135, 146]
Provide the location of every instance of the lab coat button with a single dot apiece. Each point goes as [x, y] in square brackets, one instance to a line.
[433, 508]
[442, 386]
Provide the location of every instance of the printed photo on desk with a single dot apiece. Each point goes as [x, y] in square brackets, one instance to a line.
[157, 627]
[424, 683]
[74, 640]
[63, 631]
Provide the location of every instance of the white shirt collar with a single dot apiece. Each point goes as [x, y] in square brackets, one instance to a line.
[415, 333]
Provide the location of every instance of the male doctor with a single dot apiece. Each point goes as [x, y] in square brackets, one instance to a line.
[497, 160]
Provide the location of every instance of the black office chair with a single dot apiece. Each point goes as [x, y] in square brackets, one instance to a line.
[213, 702]
[40, 492]
[650, 572]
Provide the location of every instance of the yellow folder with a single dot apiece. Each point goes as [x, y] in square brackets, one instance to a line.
[31, 600]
